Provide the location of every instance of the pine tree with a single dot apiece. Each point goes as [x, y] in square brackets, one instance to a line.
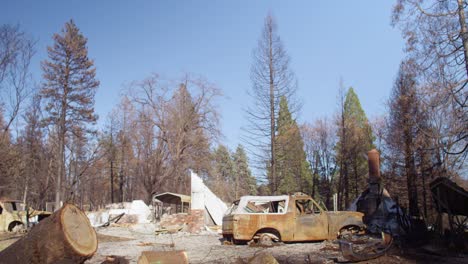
[405, 122]
[223, 182]
[224, 166]
[293, 170]
[69, 89]
[271, 78]
[354, 140]
[244, 182]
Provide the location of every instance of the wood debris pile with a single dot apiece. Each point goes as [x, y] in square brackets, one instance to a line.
[192, 223]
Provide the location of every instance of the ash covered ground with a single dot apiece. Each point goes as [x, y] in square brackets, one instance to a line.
[208, 247]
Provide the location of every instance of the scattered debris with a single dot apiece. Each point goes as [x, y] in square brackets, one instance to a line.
[114, 219]
[145, 244]
[136, 212]
[366, 248]
[169, 229]
[64, 237]
[381, 212]
[163, 257]
[194, 222]
[382, 216]
[115, 260]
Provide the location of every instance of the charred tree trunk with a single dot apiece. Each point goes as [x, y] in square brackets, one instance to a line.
[64, 237]
[272, 118]
[356, 180]
[410, 171]
[112, 181]
[340, 187]
[346, 185]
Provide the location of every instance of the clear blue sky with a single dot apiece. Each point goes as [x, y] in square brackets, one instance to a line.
[327, 40]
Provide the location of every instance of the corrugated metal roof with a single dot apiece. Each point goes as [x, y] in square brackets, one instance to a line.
[169, 197]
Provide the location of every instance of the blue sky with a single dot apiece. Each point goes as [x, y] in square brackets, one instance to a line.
[326, 40]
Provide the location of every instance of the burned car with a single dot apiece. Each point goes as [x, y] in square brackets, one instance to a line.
[285, 218]
[13, 215]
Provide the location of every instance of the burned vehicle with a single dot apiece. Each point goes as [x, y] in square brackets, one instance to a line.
[285, 218]
[13, 216]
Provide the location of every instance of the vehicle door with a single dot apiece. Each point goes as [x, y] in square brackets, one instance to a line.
[311, 221]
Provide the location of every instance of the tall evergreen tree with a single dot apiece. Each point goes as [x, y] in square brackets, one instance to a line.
[293, 170]
[271, 79]
[222, 179]
[224, 166]
[405, 123]
[354, 140]
[244, 182]
[69, 88]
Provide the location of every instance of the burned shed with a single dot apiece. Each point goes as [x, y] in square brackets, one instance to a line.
[452, 200]
[173, 203]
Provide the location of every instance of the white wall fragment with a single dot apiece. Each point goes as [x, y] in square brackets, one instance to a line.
[204, 198]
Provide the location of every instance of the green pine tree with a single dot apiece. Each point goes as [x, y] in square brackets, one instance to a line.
[354, 140]
[293, 170]
[222, 180]
[244, 182]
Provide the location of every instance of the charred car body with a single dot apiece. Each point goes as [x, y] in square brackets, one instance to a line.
[285, 218]
[13, 215]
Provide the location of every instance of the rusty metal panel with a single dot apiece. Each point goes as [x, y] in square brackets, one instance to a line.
[338, 220]
[311, 227]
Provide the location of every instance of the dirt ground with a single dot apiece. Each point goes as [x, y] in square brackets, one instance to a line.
[208, 248]
[130, 241]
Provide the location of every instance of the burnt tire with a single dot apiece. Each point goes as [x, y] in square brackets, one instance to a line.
[350, 233]
[265, 240]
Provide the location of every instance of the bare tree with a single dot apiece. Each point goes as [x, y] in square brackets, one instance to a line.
[69, 89]
[177, 128]
[271, 79]
[16, 51]
[319, 141]
[437, 40]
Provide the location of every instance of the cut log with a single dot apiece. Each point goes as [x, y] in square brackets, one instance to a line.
[65, 237]
[163, 257]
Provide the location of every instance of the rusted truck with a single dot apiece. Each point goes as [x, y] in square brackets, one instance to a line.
[286, 218]
[13, 215]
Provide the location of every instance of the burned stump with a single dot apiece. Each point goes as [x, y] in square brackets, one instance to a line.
[64, 237]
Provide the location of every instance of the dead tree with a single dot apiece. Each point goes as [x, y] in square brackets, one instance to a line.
[271, 79]
[68, 91]
[16, 52]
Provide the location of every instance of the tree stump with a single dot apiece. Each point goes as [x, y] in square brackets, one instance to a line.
[64, 237]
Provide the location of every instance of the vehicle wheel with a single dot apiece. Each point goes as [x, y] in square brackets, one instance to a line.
[265, 240]
[16, 227]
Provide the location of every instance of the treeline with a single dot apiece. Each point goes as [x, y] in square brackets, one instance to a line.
[422, 136]
[51, 150]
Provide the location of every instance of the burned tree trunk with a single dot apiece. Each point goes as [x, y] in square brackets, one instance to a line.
[64, 237]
